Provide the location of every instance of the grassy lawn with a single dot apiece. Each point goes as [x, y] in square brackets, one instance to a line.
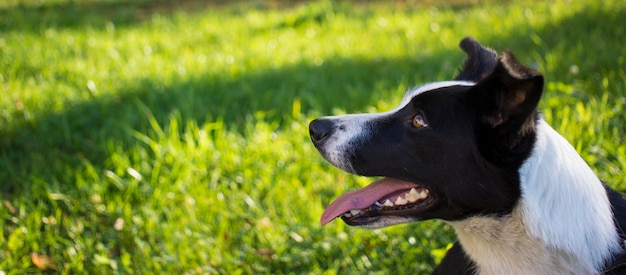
[141, 137]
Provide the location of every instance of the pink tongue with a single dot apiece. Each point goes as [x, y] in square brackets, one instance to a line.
[363, 198]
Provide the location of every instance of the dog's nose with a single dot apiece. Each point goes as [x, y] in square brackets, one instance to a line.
[320, 129]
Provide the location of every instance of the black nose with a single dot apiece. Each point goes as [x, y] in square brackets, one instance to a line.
[320, 129]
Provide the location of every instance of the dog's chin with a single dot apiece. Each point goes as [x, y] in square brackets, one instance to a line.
[378, 222]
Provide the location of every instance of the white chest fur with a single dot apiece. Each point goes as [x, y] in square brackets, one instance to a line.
[562, 225]
[503, 245]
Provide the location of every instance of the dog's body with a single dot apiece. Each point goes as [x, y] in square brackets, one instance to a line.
[476, 153]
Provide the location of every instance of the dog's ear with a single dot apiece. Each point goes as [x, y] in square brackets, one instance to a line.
[510, 93]
[479, 62]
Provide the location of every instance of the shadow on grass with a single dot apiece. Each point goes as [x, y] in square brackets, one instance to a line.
[69, 14]
[39, 15]
[82, 132]
[348, 84]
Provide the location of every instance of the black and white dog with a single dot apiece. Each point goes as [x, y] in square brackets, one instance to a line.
[476, 153]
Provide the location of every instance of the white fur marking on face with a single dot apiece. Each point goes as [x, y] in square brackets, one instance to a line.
[564, 203]
[409, 95]
[354, 127]
[348, 128]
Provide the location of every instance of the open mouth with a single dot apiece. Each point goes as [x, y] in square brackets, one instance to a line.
[384, 202]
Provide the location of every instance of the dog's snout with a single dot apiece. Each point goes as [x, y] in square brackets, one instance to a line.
[320, 129]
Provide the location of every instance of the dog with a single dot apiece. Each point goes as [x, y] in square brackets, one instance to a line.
[475, 152]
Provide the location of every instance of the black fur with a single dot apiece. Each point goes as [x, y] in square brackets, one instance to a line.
[455, 262]
[480, 60]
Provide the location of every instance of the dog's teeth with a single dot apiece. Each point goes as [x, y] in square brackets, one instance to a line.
[388, 203]
[355, 212]
[423, 193]
[378, 204]
[412, 196]
[347, 215]
[401, 201]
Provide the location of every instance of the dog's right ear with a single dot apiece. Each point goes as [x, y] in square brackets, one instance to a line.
[480, 60]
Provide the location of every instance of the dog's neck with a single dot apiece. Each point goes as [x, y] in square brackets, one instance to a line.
[503, 245]
[563, 221]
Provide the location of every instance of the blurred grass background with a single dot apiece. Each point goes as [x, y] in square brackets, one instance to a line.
[141, 137]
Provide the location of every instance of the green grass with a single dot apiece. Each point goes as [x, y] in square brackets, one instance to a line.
[152, 137]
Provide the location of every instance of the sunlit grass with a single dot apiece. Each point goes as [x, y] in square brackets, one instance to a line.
[148, 137]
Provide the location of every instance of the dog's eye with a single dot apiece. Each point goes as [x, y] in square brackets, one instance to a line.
[419, 122]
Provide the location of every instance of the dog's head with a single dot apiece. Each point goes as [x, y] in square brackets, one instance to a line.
[450, 150]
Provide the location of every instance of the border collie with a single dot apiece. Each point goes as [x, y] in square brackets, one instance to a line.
[476, 153]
